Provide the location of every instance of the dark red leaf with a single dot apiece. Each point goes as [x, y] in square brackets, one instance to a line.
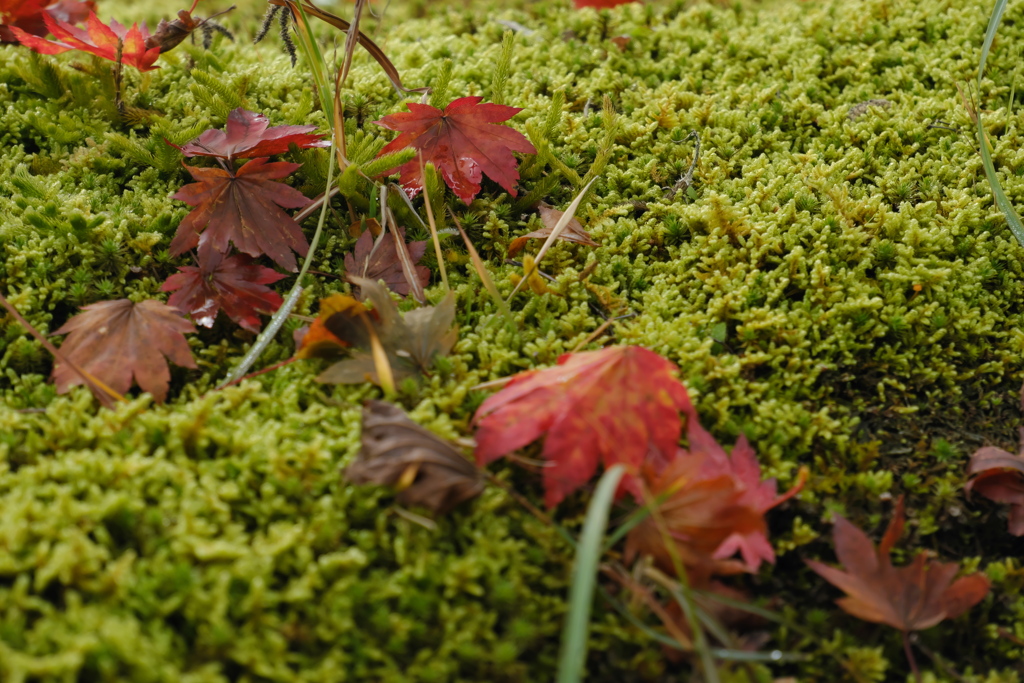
[999, 476]
[118, 340]
[464, 142]
[234, 284]
[242, 208]
[247, 136]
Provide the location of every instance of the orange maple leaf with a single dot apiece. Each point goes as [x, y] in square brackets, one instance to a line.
[97, 39]
[910, 598]
[614, 406]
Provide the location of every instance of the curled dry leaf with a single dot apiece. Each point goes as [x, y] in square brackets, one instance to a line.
[911, 598]
[248, 135]
[616, 405]
[999, 476]
[378, 260]
[410, 341]
[118, 340]
[464, 142]
[244, 208]
[97, 39]
[428, 471]
[549, 216]
[233, 284]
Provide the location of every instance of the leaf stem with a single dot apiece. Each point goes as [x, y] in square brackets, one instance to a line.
[909, 651]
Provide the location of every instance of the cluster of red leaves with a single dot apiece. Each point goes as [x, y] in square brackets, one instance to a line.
[622, 405]
[97, 38]
[28, 16]
[464, 142]
[910, 598]
[116, 341]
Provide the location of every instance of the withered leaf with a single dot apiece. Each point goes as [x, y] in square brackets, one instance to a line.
[549, 216]
[118, 340]
[377, 259]
[411, 341]
[428, 471]
[243, 208]
[911, 598]
[999, 476]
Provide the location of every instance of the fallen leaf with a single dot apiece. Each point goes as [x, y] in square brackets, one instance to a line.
[428, 470]
[97, 39]
[701, 508]
[911, 598]
[613, 406]
[549, 217]
[411, 340]
[243, 208]
[378, 260]
[999, 476]
[316, 341]
[247, 136]
[118, 340]
[27, 15]
[464, 142]
[233, 284]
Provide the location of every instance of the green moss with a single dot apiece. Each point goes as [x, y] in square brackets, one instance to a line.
[839, 288]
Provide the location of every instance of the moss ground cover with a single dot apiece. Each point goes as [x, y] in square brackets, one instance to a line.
[837, 285]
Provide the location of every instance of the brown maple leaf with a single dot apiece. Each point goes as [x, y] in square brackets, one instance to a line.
[911, 598]
[410, 341]
[248, 135]
[549, 216]
[428, 471]
[118, 340]
[233, 284]
[378, 260]
[243, 208]
[615, 405]
[702, 507]
[999, 476]
[464, 142]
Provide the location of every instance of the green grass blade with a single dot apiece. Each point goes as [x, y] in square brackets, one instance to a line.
[1002, 201]
[573, 656]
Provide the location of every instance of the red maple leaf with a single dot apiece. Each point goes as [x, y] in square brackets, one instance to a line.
[243, 208]
[247, 135]
[464, 142]
[234, 284]
[614, 405]
[118, 340]
[380, 261]
[97, 39]
[27, 15]
[910, 598]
